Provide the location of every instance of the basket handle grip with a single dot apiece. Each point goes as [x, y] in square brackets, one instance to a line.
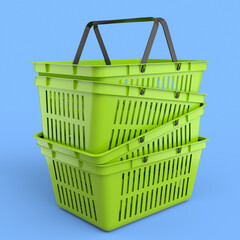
[149, 43]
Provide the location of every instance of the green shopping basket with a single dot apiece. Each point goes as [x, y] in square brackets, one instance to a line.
[177, 75]
[79, 109]
[183, 130]
[112, 195]
[96, 117]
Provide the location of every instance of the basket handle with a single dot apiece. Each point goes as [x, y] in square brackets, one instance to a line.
[149, 43]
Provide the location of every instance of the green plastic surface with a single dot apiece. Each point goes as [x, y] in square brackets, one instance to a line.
[164, 137]
[112, 195]
[159, 73]
[120, 144]
[96, 117]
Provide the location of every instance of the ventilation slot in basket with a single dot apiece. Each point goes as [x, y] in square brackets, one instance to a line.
[155, 185]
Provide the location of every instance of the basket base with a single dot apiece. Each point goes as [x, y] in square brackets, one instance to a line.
[123, 223]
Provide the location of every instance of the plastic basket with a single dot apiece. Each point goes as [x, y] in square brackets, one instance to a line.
[183, 75]
[96, 117]
[112, 195]
[177, 132]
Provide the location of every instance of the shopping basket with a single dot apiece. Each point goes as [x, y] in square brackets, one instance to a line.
[112, 195]
[96, 117]
[177, 75]
[183, 130]
[79, 109]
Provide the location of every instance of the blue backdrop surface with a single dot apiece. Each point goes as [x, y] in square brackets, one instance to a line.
[51, 30]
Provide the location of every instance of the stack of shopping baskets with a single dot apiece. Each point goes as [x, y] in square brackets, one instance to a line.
[121, 137]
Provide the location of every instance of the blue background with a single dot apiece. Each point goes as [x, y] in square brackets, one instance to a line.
[50, 30]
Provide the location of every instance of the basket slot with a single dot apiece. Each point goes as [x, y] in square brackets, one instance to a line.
[165, 195]
[146, 113]
[120, 211]
[135, 204]
[65, 191]
[169, 86]
[154, 177]
[77, 205]
[72, 200]
[171, 112]
[63, 128]
[62, 105]
[66, 128]
[129, 110]
[79, 199]
[152, 199]
[51, 129]
[159, 82]
[165, 83]
[71, 105]
[121, 136]
[186, 134]
[170, 199]
[58, 130]
[183, 110]
[119, 109]
[180, 82]
[126, 208]
[85, 208]
[50, 102]
[146, 202]
[149, 82]
[184, 82]
[176, 111]
[72, 176]
[61, 193]
[72, 134]
[131, 207]
[76, 135]
[139, 112]
[151, 113]
[132, 113]
[81, 180]
[189, 83]
[57, 177]
[151, 118]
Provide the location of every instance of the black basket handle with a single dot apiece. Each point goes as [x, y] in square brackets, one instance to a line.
[149, 43]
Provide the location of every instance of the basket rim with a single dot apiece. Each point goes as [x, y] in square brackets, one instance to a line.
[105, 84]
[87, 63]
[117, 167]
